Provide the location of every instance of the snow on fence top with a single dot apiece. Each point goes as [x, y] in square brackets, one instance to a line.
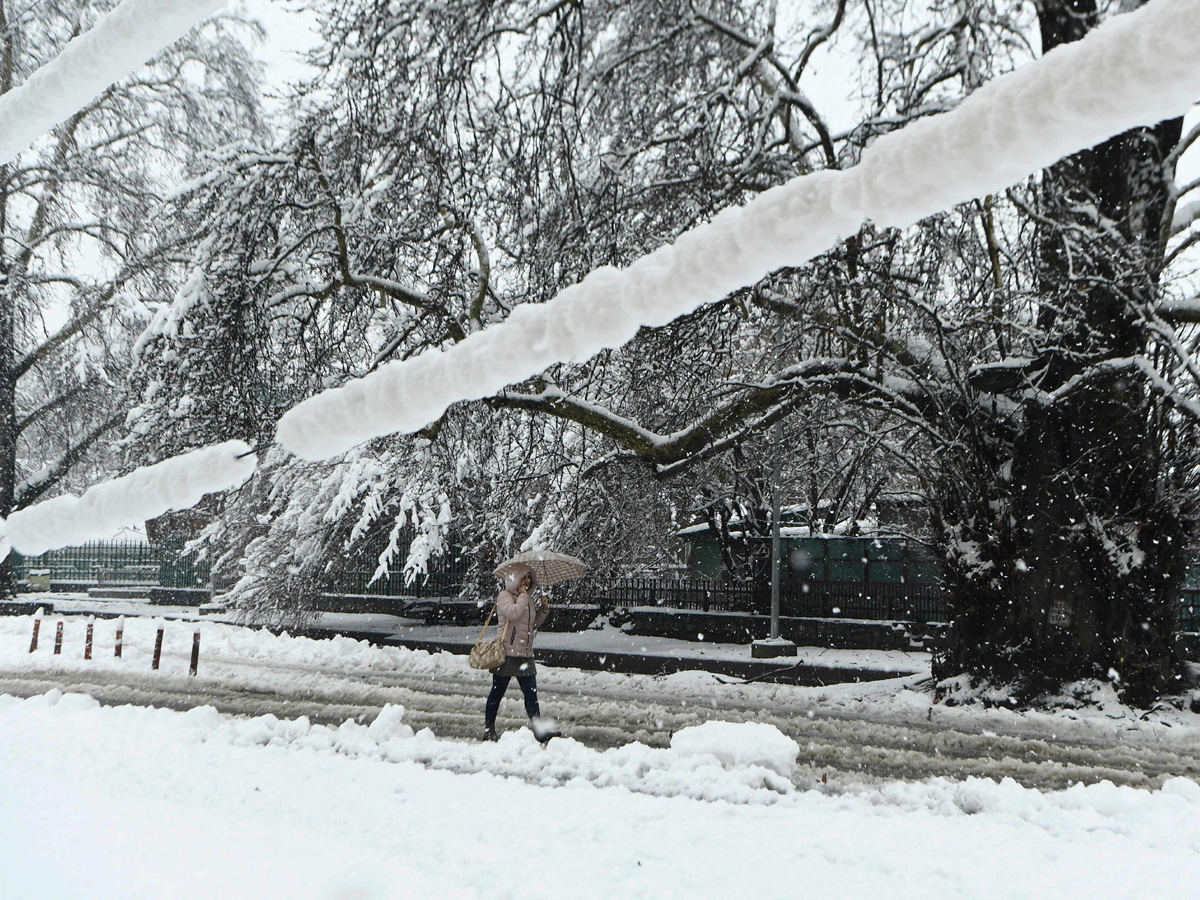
[116, 45]
[144, 493]
[1136, 69]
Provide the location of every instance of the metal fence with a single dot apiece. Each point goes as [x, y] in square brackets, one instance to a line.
[129, 563]
[846, 600]
[359, 583]
[843, 600]
[117, 563]
[1189, 610]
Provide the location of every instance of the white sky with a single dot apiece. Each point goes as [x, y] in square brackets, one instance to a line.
[830, 79]
[291, 31]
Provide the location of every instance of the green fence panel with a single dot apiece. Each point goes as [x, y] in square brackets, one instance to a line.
[885, 571]
[850, 549]
[842, 570]
[885, 549]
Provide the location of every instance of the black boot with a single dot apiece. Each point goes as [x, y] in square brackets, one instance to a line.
[544, 729]
[489, 732]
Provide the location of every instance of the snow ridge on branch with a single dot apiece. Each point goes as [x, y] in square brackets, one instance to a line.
[119, 42]
[176, 483]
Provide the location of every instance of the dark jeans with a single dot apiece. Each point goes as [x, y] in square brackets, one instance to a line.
[528, 685]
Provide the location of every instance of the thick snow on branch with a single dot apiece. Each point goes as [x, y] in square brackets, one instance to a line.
[119, 42]
[1136, 69]
[175, 483]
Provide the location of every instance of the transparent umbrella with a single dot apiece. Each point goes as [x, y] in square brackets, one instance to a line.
[548, 566]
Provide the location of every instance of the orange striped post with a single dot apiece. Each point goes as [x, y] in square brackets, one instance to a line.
[58, 640]
[195, 653]
[37, 623]
[120, 636]
[157, 649]
[87, 644]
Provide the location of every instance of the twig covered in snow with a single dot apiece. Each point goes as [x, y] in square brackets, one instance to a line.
[176, 483]
[1136, 69]
[115, 46]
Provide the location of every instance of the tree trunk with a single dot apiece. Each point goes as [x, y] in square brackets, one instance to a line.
[8, 412]
[1068, 564]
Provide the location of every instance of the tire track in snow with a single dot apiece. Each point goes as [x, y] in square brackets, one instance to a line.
[844, 749]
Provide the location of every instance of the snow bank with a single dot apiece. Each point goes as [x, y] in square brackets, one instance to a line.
[144, 493]
[634, 767]
[115, 46]
[739, 744]
[1136, 69]
[308, 811]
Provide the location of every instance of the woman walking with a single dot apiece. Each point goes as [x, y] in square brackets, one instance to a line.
[522, 614]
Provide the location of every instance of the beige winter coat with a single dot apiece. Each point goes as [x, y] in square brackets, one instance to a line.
[522, 613]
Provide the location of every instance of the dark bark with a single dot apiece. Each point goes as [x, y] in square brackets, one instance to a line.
[8, 408]
[1073, 561]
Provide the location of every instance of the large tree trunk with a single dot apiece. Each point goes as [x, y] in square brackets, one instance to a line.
[1068, 563]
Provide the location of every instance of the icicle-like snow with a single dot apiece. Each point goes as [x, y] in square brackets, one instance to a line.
[1136, 69]
[119, 42]
[175, 483]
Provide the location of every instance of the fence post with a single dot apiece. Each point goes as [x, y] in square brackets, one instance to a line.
[37, 623]
[195, 653]
[87, 643]
[120, 636]
[58, 640]
[157, 649]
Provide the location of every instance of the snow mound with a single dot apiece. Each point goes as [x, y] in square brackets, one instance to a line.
[737, 744]
[389, 724]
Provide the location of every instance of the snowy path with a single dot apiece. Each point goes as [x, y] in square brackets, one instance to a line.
[835, 743]
[871, 732]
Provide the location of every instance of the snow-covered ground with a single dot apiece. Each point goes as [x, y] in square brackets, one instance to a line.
[810, 791]
[136, 802]
[603, 640]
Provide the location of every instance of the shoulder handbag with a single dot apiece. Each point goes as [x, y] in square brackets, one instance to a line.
[488, 654]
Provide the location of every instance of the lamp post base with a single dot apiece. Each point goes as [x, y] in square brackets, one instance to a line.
[771, 648]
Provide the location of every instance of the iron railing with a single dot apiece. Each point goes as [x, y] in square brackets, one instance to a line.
[846, 600]
[97, 562]
[359, 583]
[168, 566]
[127, 562]
[809, 599]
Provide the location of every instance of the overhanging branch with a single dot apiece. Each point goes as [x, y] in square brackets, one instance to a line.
[754, 408]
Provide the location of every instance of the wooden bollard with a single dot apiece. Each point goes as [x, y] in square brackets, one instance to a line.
[157, 649]
[120, 636]
[87, 643]
[37, 623]
[195, 653]
[58, 640]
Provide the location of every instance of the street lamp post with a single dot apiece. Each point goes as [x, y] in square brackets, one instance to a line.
[774, 645]
[775, 561]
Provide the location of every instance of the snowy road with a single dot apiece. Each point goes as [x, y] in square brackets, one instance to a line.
[836, 744]
[274, 767]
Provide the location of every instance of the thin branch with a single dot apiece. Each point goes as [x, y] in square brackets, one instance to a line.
[50, 406]
[29, 492]
[817, 38]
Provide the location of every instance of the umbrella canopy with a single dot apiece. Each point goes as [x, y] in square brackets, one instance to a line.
[548, 567]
